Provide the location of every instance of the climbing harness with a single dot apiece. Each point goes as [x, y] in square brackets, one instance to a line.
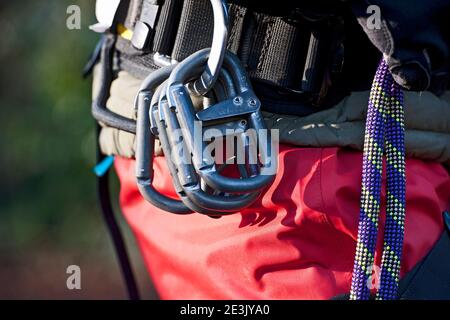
[279, 48]
[200, 185]
[178, 70]
[384, 136]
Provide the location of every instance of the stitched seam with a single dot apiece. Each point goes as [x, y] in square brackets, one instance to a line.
[233, 31]
[266, 44]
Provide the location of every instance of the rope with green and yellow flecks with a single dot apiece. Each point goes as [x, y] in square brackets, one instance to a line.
[384, 136]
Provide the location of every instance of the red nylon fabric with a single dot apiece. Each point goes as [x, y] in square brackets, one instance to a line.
[296, 242]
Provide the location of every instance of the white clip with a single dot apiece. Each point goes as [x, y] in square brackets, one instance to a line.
[105, 11]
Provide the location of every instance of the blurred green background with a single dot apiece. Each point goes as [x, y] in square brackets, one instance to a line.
[49, 216]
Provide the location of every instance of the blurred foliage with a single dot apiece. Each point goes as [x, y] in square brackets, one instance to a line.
[47, 190]
[47, 142]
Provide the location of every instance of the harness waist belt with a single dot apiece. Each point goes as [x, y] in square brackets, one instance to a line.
[300, 54]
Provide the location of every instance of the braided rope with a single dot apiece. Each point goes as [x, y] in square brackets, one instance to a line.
[384, 136]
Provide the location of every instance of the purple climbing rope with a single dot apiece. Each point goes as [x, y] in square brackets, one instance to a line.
[384, 136]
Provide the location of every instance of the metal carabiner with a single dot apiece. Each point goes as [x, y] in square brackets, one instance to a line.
[165, 108]
[145, 144]
[147, 105]
[186, 174]
[158, 103]
[189, 184]
[245, 105]
[150, 104]
[218, 48]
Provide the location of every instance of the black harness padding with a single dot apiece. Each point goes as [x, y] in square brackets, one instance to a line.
[294, 54]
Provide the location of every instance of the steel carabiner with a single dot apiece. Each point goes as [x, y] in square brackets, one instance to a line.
[165, 109]
[245, 106]
[196, 183]
[218, 48]
[152, 119]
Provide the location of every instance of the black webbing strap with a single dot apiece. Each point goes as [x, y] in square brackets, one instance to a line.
[166, 28]
[195, 30]
[259, 40]
[237, 16]
[279, 59]
[284, 52]
[324, 60]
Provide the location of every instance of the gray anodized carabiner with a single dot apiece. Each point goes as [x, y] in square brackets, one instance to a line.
[145, 144]
[245, 105]
[152, 110]
[186, 174]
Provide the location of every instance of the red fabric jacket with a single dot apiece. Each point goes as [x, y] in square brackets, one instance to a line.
[296, 242]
